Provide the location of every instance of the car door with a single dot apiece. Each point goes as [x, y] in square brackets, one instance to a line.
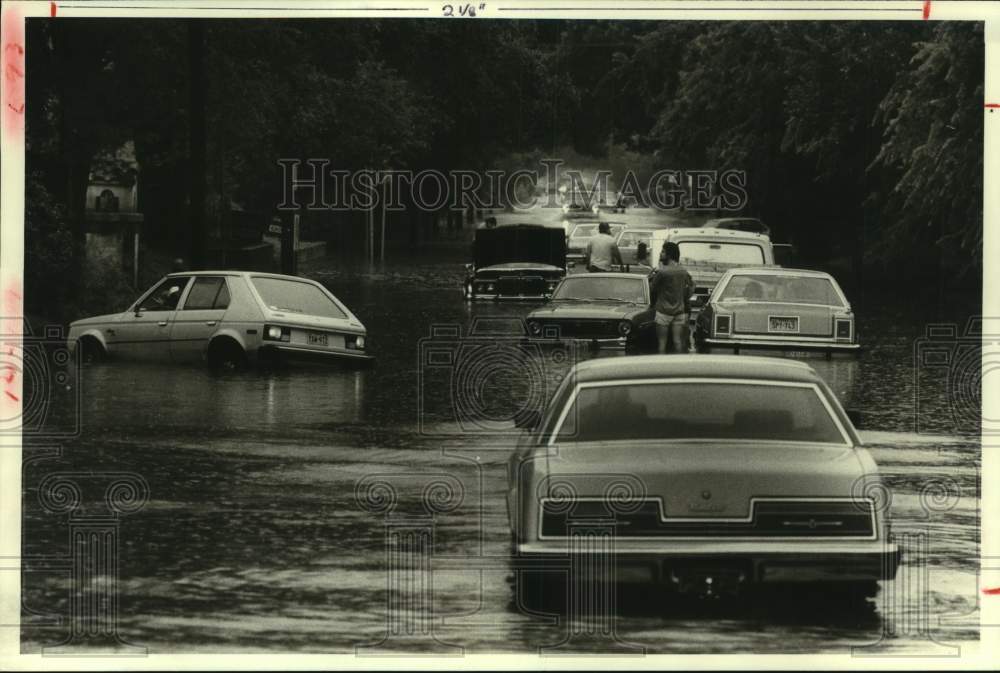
[144, 332]
[198, 318]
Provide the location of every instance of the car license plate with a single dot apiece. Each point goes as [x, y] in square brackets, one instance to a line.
[782, 324]
[317, 339]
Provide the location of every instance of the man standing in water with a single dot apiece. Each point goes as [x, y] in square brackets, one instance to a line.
[670, 288]
[602, 251]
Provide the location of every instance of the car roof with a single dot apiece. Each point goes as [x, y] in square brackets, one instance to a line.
[734, 219]
[778, 271]
[232, 272]
[708, 232]
[694, 365]
[607, 274]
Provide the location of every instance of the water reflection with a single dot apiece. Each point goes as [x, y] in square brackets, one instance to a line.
[119, 395]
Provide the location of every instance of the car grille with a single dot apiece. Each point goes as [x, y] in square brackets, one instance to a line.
[581, 329]
[770, 518]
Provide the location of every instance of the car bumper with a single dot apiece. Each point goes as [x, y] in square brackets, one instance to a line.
[610, 342]
[781, 344]
[302, 354]
[762, 563]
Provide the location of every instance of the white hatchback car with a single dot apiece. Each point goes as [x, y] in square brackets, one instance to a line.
[227, 319]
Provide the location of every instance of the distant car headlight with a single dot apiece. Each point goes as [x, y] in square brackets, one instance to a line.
[624, 327]
[275, 333]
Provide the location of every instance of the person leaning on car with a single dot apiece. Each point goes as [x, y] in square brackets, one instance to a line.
[602, 251]
[670, 287]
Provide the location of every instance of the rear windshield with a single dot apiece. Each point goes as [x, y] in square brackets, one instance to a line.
[781, 289]
[588, 230]
[296, 297]
[699, 410]
[711, 252]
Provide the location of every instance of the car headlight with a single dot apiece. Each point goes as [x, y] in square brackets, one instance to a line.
[535, 327]
[489, 287]
[360, 342]
[624, 327]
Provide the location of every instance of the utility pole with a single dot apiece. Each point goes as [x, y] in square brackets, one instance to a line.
[196, 238]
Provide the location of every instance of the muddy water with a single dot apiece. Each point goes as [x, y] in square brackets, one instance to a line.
[265, 530]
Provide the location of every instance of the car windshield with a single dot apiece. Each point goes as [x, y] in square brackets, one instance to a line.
[581, 287]
[296, 297]
[722, 252]
[699, 410]
[782, 289]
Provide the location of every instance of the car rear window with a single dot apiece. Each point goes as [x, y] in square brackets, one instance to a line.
[782, 289]
[711, 252]
[699, 410]
[296, 297]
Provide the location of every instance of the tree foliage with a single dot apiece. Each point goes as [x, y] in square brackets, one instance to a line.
[856, 137]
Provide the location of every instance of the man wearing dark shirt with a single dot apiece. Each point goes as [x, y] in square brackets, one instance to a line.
[670, 288]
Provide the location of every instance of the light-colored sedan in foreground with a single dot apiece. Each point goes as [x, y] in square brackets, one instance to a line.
[706, 474]
[227, 319]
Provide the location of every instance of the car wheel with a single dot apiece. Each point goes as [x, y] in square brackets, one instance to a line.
[226, 356]
[90, 351]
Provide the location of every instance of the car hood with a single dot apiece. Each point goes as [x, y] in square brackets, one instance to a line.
[95, 320]
[730, 474]
[516, 266]
[583, 310]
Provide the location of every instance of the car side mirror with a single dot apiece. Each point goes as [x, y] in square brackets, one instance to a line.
[855, 416]
[529, 420]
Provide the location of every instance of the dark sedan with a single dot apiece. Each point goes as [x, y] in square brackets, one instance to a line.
[603, 309]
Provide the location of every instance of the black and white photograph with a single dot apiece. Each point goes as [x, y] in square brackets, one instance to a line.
[522, 333]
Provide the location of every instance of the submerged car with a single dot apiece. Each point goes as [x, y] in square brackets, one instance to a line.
[227, 319]
[579, 236]
[708, 253]
[713, 474]
[610, 310]
[516, 261]
[750, 224]
[630, 237]
[778, 309]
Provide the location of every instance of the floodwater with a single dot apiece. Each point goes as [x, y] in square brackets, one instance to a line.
[262, 526]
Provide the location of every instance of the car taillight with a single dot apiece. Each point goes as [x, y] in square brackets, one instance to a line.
[276, 333]
[844, 328]
[722, 324]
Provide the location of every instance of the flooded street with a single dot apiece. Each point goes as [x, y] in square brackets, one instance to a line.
[271, 495]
